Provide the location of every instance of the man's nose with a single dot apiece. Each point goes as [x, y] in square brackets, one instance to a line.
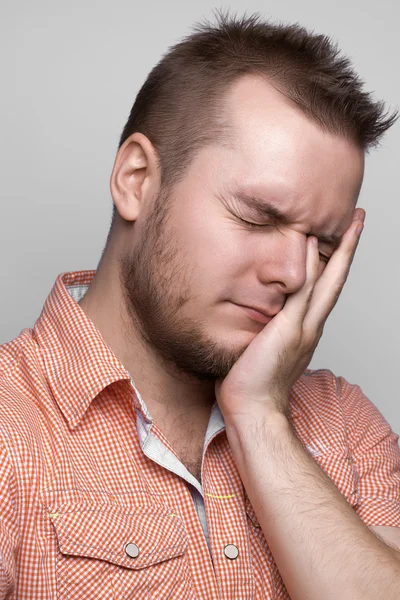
[285, 261]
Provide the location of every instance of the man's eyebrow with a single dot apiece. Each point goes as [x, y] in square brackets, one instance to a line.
[263, 208]
[267, 210]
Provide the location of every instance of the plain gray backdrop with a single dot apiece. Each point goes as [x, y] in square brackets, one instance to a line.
[70, 72]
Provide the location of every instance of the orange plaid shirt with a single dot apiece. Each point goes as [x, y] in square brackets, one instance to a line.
[87, 513]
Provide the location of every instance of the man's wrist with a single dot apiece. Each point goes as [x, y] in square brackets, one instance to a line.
[251, 426]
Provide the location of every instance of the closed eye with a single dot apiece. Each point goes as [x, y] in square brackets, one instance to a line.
[254, 225]
[323, 257]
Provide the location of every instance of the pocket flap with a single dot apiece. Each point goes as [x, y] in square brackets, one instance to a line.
[104, 531]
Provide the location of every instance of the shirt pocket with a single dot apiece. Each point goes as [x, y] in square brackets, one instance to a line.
[119, 552]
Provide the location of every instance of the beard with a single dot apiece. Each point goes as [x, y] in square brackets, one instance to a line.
[156, 283]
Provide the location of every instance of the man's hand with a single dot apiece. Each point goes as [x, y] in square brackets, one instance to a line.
[322, 548]
[261, 379]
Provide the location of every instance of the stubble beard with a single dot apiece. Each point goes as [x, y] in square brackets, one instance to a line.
[156, 285]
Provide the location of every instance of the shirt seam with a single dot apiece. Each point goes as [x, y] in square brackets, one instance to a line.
[350, 456]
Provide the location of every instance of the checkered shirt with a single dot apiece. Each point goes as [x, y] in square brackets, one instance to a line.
[90, 511]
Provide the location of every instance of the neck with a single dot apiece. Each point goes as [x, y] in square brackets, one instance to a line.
[169, 396]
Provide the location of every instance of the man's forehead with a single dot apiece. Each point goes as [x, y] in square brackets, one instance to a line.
[262, 117]
[253, 103]
[286, 167]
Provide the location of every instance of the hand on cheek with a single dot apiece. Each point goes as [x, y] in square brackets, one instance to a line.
[262, 377]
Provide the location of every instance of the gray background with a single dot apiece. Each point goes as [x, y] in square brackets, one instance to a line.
[69, 75]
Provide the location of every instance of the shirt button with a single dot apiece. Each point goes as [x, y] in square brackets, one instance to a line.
[132, 550]
[231, 551]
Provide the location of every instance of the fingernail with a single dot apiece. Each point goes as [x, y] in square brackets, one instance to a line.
[359, 229]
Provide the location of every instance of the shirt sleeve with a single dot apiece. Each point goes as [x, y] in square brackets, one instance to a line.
[376, 458]
[8, 526]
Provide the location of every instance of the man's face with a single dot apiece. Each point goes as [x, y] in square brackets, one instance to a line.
[194, 263]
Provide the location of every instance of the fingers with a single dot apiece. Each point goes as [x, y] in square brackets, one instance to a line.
[298, 304]
[329, 286]
[309, 308]
[359, 214]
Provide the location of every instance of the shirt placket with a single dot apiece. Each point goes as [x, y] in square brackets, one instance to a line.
[227, 521]
[180, 500]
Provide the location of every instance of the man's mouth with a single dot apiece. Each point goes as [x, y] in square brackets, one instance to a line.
[256, 314]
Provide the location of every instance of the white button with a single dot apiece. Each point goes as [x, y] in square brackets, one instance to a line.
[132, 550]
[231, 552]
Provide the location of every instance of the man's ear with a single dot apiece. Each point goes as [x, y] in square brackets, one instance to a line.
[135, 177]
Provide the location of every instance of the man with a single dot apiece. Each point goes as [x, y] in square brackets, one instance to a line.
[161, 435]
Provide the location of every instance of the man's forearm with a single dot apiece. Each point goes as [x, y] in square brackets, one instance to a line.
[322, 548]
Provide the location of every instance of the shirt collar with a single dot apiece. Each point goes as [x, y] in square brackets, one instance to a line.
[77, 361]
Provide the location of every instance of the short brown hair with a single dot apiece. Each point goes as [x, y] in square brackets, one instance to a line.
[179, 107]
